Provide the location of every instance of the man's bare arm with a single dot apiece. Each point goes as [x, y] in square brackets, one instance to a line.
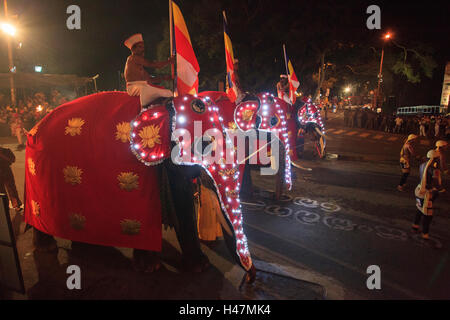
[153, 64]
[161, 78]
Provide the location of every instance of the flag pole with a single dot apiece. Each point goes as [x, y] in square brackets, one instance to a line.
[171, 46]
[285, 60]
[224, 16]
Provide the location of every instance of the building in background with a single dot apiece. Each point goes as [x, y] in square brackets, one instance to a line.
[446, 87]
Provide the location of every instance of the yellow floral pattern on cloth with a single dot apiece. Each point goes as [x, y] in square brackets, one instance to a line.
[130, 227]
[74, 127]
[232, 126]
[72, 175]
[35, 208]
[227, 172]
[247, 115]
[128, 181]
[31, 166]
[150, 136]
[77, 221]
[34, 130]
[123, 132]
[232, 194]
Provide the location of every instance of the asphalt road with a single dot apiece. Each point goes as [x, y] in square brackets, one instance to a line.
[346, 215]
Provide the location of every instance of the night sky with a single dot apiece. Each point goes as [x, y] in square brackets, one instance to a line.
[98, 47]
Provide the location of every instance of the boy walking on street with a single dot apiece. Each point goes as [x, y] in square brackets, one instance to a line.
[425, 194]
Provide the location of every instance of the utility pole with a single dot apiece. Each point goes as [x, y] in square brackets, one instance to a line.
[386, 37]
[10, 59]
[380, 78]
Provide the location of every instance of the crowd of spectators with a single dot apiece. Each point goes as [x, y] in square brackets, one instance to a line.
[28, 113]
[435, 126]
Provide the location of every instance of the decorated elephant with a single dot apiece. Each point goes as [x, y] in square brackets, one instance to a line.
[95, 173]
[310, 125]
[265, 114]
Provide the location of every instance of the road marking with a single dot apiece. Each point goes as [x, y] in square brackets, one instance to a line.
[378, 137]
[339, 131]
[351, 133]
[337, 261]
[364, 135]
[392, 139]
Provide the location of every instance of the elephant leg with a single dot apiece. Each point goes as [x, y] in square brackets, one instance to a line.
[44, 242]
[146, 261]
[247, 185]
[186, 227]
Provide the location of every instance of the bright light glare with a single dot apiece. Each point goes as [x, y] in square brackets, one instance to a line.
[347, 90]
[181, 119]
[9, 29]
[387, 36]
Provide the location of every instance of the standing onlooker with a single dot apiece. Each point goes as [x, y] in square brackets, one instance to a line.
[436, 127]
[346, 114]
[406, 155]
[398, 124]
[383, 125]
[351, 118]
[447, 129]
[7, 182]
[16, 124]
[422, 124]
[441, 147]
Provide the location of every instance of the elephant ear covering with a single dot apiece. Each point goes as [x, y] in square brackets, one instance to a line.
[82, 181]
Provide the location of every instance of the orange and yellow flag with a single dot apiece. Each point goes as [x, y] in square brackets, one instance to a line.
[187, 65]
[231, 81]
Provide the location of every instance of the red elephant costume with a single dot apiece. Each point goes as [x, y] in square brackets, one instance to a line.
[268, 108]
[83, 182]
[81, 174]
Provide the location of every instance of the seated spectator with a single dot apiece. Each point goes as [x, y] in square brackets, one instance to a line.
[7, 182]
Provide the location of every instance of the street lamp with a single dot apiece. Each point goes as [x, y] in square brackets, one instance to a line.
[386, 37]
[347, 90]
[10, 30]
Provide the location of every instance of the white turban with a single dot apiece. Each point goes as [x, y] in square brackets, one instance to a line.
[131, 41]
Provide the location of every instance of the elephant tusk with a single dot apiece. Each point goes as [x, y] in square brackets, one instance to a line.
[300, 167]
[320, 132]
[224, 224]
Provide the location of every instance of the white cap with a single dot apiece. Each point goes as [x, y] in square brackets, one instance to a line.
[283, 76]
[131, 41]
[433, 154]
